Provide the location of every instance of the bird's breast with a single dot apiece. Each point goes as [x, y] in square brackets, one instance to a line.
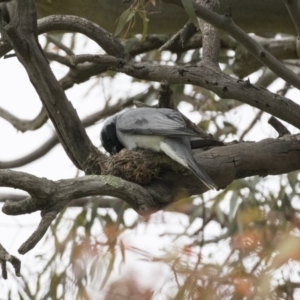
[138, 141]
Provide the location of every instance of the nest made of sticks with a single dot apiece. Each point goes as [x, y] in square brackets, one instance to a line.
[139, 166]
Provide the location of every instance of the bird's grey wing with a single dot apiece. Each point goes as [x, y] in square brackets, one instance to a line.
[179, 150]
[151, 121]
[198, 142]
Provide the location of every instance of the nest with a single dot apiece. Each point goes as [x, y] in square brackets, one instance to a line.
[139, 166]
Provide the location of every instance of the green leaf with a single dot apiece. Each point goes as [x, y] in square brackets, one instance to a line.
[145, 25]
[125, 17]
[108, 271]
[233, 204]
[122, 248]
[188, 6]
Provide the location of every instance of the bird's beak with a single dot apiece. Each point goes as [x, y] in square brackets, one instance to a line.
[114, 150]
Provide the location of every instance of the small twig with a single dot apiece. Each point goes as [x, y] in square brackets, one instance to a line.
[294, 11]
[37, 235]
[59, 44]
[25, 125]
[165, 93]
[278, 126]
[6, 257]
[58, 58]
[180, 39]
[256, 118]
[10, 55]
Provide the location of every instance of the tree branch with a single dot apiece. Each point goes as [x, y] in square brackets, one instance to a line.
[51, 197]
[72, 23]
[21, 32]
[250, 126]
[210, 36]
[245, 63]
[6, 257]
[223, 164]
[52, 39]
[180, 39]
[278, 126]
[25, 125]
[260, 53]
[210, 78]
[86, 122]
[294, 11]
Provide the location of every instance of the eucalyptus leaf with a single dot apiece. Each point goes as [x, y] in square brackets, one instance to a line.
[126, 16]
[188, 6]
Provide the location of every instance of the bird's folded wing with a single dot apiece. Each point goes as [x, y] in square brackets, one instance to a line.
[151, 121]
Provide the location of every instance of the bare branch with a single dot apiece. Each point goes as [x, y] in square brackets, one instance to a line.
[88, 121]
[210, 35]
[250, 126]
[165, 99]
[51, 197]
[226, 23]
[180, 39]
[25, 125]
[58, 58]
[34, 155]
[245, 63]
[48, 195]
[210, 78]
[103, 202]
[52, 39]
[21, 32]
[278, 126]
[6, 257]
[72, 23]
[37, 235]
[294, 11]
[223, 164]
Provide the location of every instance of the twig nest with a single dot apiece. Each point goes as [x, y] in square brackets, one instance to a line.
[139, 166]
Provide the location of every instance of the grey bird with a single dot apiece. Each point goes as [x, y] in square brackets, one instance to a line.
[156, 129]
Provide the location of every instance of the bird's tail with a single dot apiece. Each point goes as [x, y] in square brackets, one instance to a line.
[201, 174]
[179, 149]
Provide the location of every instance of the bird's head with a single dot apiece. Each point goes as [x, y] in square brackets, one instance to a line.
[109, 137]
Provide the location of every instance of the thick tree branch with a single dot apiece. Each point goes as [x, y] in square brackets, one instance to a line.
[86, 122]
[94, 69]
[245, 63]
[106, 202]
[51, 197]
[72, 23]
[210, 35]
[278, 126]
[210, 78]
[223, 164]
[21, 32]
[260, 53]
